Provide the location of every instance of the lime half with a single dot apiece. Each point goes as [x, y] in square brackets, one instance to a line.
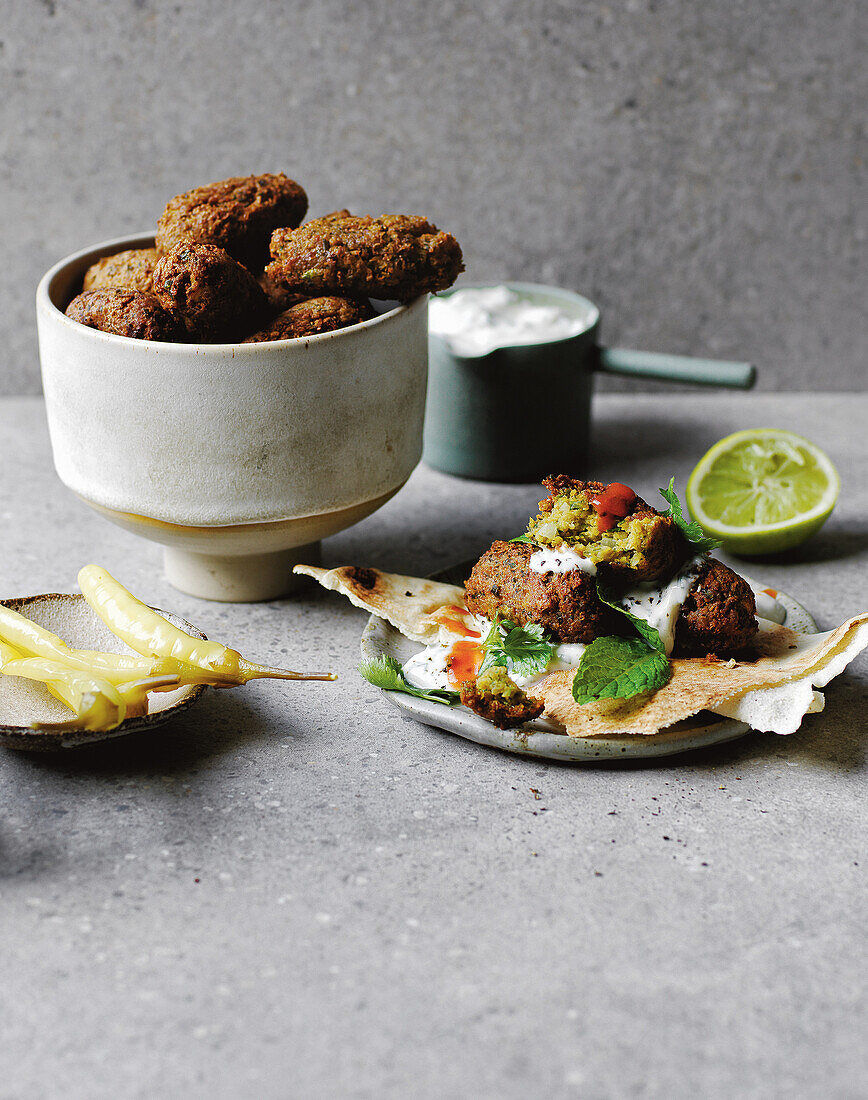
[762, 490]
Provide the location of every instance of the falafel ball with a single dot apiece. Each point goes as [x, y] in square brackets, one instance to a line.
[217, 298]
[719, 614]
[279, 297]
[494, 696]
[132, 269]
[395, 256]
[641, 546]
[123, 312]
[312, 316]
[565, 605]
[238, 214]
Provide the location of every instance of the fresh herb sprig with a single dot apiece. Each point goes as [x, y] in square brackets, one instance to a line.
[523, 538]
[386, 673]
[522, 650]
[618, 668]
[692, 531]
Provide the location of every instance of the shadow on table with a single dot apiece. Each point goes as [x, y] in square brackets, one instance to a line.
[831, 545]
[219, 724]
[622, 436]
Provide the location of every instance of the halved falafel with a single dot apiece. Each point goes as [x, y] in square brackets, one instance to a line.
[494, 696]
[640, 546]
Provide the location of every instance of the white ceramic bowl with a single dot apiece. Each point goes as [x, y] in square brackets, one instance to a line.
[238, 458]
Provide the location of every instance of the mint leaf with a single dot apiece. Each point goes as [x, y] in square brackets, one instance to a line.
[523, 538]
[618, 668]
[645, 630]
[691, 531]
[522, 650]
[386, 673]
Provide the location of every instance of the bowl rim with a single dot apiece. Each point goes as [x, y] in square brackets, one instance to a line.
[111, 247]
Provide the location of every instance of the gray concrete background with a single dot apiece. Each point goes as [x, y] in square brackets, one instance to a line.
[297, 891]
[693, 167]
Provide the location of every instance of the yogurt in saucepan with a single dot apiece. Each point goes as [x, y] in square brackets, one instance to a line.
[479, 320]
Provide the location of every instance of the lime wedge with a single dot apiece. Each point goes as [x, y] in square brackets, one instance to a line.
[762, 490]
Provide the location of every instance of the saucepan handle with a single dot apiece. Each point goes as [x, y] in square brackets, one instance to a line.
[677, 368]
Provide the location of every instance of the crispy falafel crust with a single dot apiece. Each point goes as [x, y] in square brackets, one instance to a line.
[132, 269]
[718, 616]
[279, 297]
[312, 316]
[395, 256]
[563, 604]
[124, 312]
[217, 298]
[238, 214]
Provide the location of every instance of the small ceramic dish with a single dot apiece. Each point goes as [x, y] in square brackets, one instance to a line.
[238, 458]
[381, 639]
[25, 701]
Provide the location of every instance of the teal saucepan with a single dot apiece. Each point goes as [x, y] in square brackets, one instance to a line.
[522, 411]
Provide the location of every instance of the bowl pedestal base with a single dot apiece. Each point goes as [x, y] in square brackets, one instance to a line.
[242, 579]
[245, 562]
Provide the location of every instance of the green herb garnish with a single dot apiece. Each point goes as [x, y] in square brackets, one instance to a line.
[523, 538]
[645, 630]
[691, 531]
[386, 673]
[523, 650]
[618, 668]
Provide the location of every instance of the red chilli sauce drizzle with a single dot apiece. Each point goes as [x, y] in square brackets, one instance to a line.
[463, 662]
[453, 623]
[612, 505]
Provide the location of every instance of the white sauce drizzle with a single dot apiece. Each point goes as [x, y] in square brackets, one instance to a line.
[427, 669]
[660, 605]
[478, 320]
[562, 560]
[767, 607]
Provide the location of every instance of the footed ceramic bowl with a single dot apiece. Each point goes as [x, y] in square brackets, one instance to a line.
[238, 458]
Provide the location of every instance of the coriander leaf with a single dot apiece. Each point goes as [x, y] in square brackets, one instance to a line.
[523, 538]
[523, 650]
[618, 668]
[691, 531]
[386, 673]
[648, 632]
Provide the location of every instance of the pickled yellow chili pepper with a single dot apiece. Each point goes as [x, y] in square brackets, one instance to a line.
[31, 640]
[7, 653]
[148, 633]
[99, 704]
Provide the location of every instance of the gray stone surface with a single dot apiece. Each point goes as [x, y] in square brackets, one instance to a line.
[694, 167]
[296, 891]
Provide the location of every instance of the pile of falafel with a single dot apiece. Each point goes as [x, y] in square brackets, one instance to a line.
[232, 262]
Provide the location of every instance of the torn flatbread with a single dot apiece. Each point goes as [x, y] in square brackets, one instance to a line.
[406, 602]
[772, 693]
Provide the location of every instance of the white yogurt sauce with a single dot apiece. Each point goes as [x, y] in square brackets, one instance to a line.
[478, 320]
[562, 560]
[767, 607]
[427, 669]
[660, 605]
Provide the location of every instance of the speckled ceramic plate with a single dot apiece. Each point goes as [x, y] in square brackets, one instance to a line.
[381, 639]
[25, 701]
